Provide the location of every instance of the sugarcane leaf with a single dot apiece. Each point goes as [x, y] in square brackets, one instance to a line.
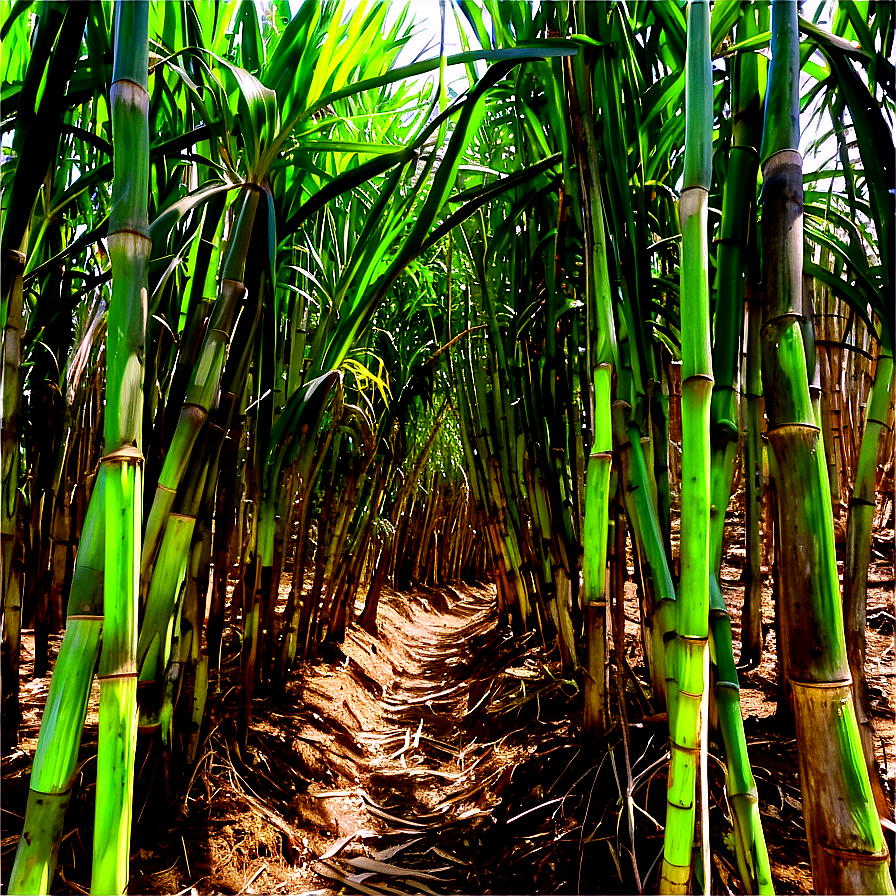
[665, 311]
[844, 291]
[96, 142]
[538, 50]
[476, 198]
[672, 22]
[657, 98]
[302, 412]
[259, 117]
[473, 14]
[91, 179]
[724, 15]
[468, 123]
[343, 183]
[831, 42]
[854, 247]
[363, 375]
[354, 177]
[251, 44]
[750, 44]
[670, 338]
[15, 11]
[70, 250]
[846, 255]
[168, 217]
[39, 119]
[331, 146]
[876, 148]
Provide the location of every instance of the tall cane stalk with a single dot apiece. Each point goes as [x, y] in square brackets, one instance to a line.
[129, 248]
[10, 572]
[56, 756]
[689, 716]
[858, 542]
[601, 350]
[738, 207]
[845, 842]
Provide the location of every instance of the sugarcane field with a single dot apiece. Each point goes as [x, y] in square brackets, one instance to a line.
[447, 447]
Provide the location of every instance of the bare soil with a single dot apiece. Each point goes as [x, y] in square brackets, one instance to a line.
[444, 756]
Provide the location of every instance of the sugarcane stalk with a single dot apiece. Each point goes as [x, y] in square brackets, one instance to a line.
[129, 249]
[204, 381]
[750, 847]
[601, 351]
[862, 505]
[45, 476]
[195, 686]
[641, 513]
[10, 561]
[687, 747]
[737, 212]
[846, 845]
[203, 287]
[311, 458]
[154, 643]
[169, 576]
[56, 756]
[828, 333]
[754, 491]
[659, 418]
[41, 105]
[594, 563]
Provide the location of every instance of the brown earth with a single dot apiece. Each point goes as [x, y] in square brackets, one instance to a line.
[444, 756]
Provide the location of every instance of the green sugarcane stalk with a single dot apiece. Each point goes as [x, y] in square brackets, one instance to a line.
[500, 432]
[752, 854]
[737, 212]
[601, 352]
[199, 577]
[171, 569]
[509, 582]
[846, 846]
[692, 616]
[549, 515]
[154, 643]
[751, 850]
[311, 457]
[858, 546]
[129, 249]
[204, 382]
[56, 757]
[195, 591]
[367, 619]
[594, 562]
[830, 305]
[169, 574]
[641, 513]
[203, 288]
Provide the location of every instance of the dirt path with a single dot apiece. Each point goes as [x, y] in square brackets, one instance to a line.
[420, 784]
[371, 774]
